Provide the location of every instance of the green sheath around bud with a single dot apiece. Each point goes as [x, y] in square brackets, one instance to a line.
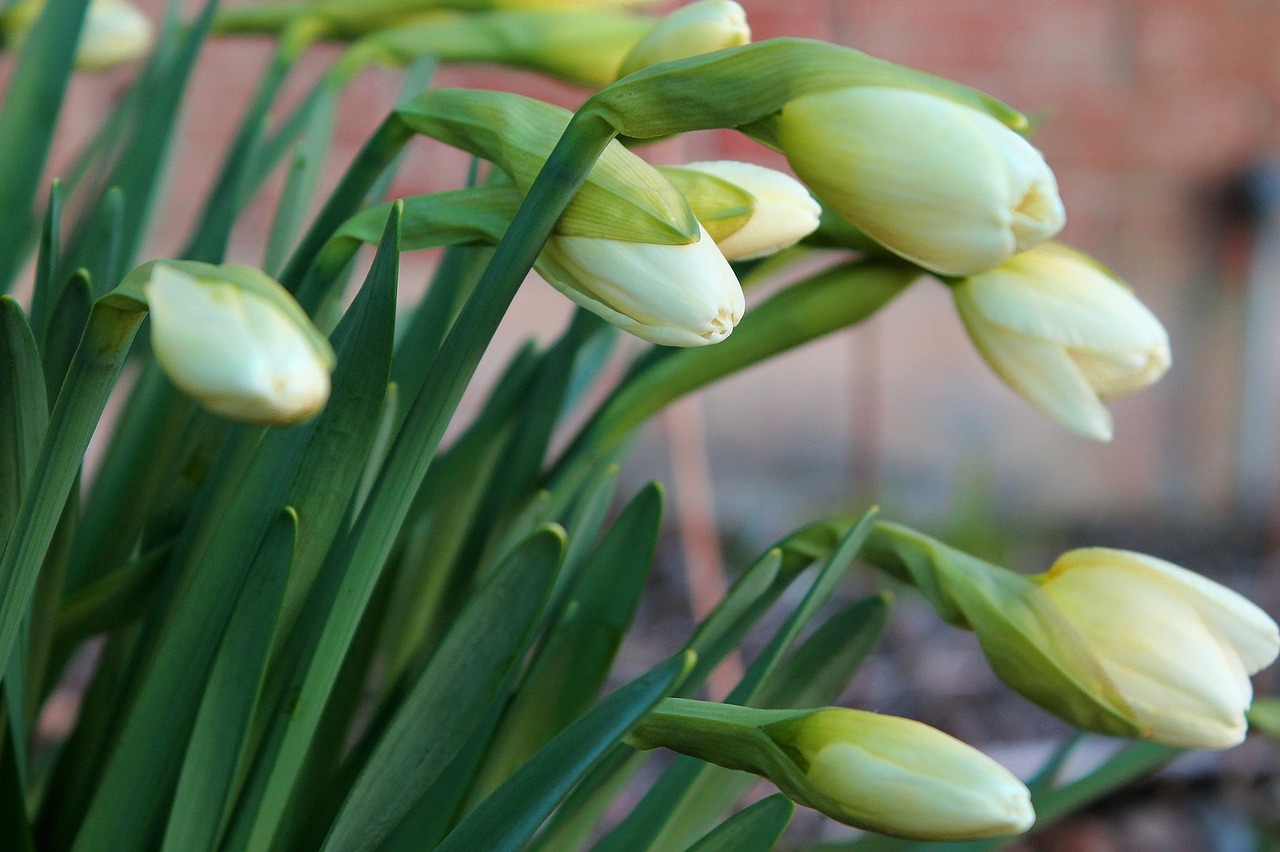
[876, 772]
[623, 198]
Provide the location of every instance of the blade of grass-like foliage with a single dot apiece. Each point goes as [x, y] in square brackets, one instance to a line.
[327, 452]
[438, 523]
[571, 666]
[643, 828]
[208, 241]
[102, 240]
[15, 827]
[138, 170]
[66, 327]
[218, 738]
[23, 407]
[509, 817]
[93, 372]
[43, 296]
[27, 121]
[301, 182]
[463, 677]
[754, 829]
[757, 589]
[813, 675]
[802, 312]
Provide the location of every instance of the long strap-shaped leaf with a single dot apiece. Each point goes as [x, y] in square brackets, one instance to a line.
[450, 697]
[138, 780]
[755, 829]
[31, 110]
[506, 820]
[93, 372]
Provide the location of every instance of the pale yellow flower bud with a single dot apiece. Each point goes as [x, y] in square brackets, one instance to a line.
[936, 182]
[672, 295]
[902, 777]
[690, 31]
[1178, 647]
[247, 353]
[115, 32]
[1064, 333]
[783, 211]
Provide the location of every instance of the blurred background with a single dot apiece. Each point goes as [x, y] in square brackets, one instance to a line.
[1161, 119]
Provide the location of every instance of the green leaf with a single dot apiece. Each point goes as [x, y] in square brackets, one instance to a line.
[509, 817]
[93, 371]
[66, 327]
[571, 666]
[754, 829]
[218, 744]
[301, 181]
[31, 108]
[43, 295]
[462, 679]
[15, 827]
[317, 465]
[24, 412]
[644, 827]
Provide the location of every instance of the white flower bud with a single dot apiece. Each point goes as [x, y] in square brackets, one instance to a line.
[1178, 647]
[245, 353]
[936, 182]
[689, 31]
[1064, 333]
[672, 295]
[902, 777]
[115, 32]
[784, 212]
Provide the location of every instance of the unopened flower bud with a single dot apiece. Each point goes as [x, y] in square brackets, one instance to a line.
[783, 212]
[236, 342]
[902, 777]
[1064, 333]
[672, 295]
[1179, 647]
[689, 31]
[1110, 640]
[880, 773]
[936, 182]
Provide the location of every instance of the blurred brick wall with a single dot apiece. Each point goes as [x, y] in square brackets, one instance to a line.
[1146, 106]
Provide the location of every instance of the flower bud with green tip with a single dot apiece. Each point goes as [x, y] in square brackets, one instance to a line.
[880, 773]
[941, 184]
[1064, 333]
[1112, 641]
[115, 32]
[689, 31]
[781, 210]
[235, 341]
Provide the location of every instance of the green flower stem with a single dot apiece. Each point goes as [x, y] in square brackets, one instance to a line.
[366, 549]
[725, 734]
[265, 19]
[94, 369]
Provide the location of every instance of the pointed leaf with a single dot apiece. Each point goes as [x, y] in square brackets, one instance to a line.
[755, 829]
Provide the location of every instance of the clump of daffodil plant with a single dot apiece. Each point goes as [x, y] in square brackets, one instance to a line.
[310, 620]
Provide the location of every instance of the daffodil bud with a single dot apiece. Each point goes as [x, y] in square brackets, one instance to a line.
[939, 183]
[672, 295]
[880, 773]
[114, 32]
[236, 342]
[689, 31]
[1064, 333]
[1179, 647]
[782, 212]
[901, 777]
[1112, 641]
